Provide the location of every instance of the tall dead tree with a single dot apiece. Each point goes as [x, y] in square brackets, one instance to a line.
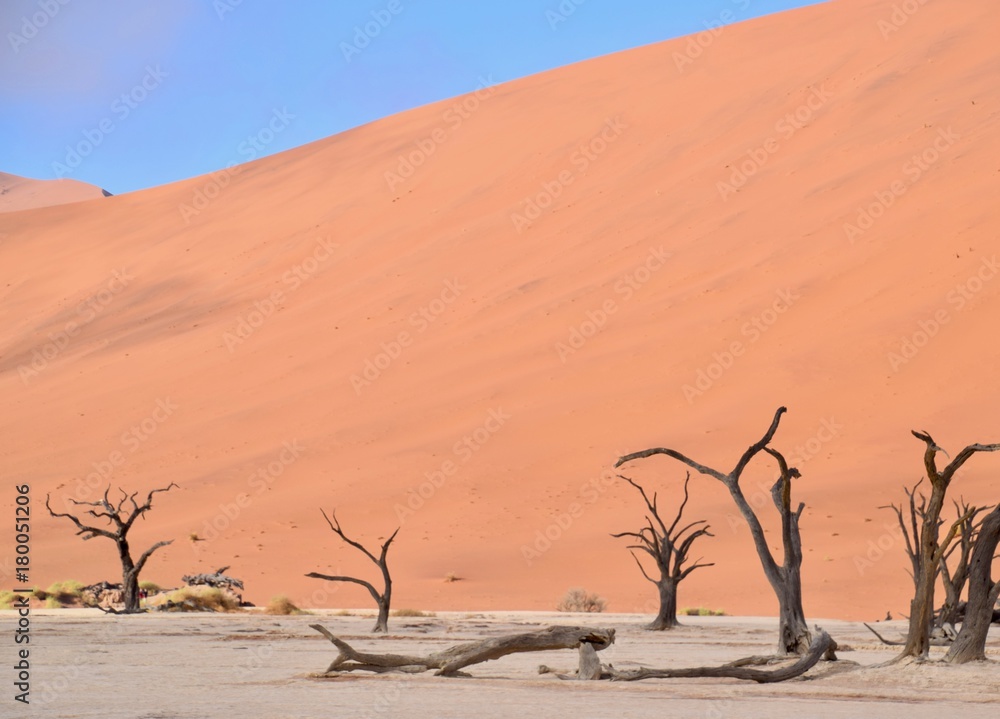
[970, 645]
[669, 547]
[121, 519]
[785, 578]
[931, 549]
[383, 598]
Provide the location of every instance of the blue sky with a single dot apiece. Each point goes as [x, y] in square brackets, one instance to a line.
[154, 92]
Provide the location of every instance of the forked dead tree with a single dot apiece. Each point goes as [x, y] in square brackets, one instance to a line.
[785, 578]
[931, 550]
[970, 645]
[669, 547]
[383, 598]
[120, 518]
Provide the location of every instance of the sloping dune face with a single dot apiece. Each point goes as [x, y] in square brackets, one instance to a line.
[21, 193]
[456, 319]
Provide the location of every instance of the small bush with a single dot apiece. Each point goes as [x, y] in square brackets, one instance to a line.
[411, 613]
[52, 603]
[578, 600]
[151, 587]
[282, 605]
[193, 599]
[6, 599]
[344, 613]
[194, 537]
[452, 577]
[702, 612]
[67, 592]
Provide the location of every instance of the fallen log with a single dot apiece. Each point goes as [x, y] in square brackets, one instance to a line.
[933, 641]
[820, 645]
[449, 661]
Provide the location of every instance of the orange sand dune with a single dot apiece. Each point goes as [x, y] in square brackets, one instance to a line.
[21, 193]
[457, 318]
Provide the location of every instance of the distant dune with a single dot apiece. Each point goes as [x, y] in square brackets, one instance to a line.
[458, 317]
[21, 193]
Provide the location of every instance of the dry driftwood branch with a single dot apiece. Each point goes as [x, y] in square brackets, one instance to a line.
[934, 641]
[449, 661]
[821, 644]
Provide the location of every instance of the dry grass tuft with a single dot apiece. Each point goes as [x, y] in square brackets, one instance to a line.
[282, 605]
[411, 613]
[578, 600]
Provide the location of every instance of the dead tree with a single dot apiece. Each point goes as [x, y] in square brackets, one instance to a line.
[910, 516]
[450, 661]
[970, 645]
[955, 579]
[910, 526]
[785, 579]
[669, 547]
[115, 514]
[931, 549]
[383, 598]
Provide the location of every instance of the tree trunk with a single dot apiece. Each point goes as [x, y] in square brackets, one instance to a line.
[970, 645]
[666, 618]
[382, 623]
[922, 606]
[793, 632]
[130, 578]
